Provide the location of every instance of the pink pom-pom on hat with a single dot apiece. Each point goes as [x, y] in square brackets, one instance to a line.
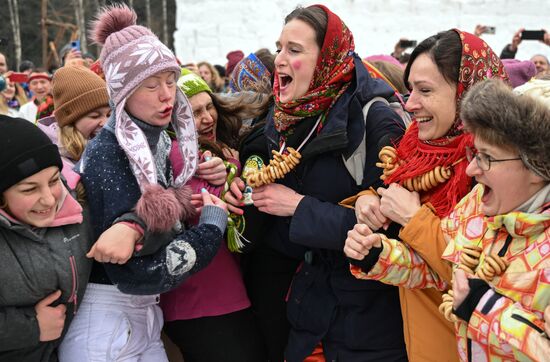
[111, 20]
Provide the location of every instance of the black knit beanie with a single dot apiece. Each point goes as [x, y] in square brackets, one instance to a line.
[24, 151]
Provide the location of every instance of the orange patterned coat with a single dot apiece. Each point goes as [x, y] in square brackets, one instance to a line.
[507, 323]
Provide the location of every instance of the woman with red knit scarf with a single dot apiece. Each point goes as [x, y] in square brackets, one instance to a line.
[441, 69]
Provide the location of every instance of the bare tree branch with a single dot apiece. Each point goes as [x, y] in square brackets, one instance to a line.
[148, 13]
[164, 23]
[14, 15]
[81, 23]
[44, 29]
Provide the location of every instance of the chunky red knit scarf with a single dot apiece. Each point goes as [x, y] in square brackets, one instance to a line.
[332, 76]
[478, 62]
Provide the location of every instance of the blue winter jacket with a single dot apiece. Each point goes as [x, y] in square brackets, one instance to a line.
[112, 193]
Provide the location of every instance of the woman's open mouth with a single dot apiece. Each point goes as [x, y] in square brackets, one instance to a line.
[207, 133]
[284, 81]
[487, 193]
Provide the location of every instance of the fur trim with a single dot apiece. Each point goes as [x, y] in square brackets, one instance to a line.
[522, 121]
[158, 208]
[110, 20]
[183, 194]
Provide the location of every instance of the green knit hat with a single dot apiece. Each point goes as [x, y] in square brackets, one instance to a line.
[190, 83]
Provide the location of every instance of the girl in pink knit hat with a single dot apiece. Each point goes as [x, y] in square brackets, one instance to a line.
[130, 183]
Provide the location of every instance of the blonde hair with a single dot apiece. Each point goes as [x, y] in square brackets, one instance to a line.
[72, 141]
[217, 82]
[393, 73]
[4, 109]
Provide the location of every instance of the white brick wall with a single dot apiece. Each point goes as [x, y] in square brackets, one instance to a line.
[208, 29]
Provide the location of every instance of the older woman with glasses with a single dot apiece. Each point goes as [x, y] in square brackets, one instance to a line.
[483, 160]
[499, 297]
[499, 234]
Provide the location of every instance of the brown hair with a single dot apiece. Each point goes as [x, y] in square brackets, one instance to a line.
[268, 60]
[445, 49]
[313, 16]
[40, 70]
[232, 110]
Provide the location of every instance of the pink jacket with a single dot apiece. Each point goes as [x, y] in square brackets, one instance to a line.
[216, 290]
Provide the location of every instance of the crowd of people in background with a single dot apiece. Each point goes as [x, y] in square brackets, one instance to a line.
[310, 204]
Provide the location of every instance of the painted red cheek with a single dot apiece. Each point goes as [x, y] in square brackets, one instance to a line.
[297, 65]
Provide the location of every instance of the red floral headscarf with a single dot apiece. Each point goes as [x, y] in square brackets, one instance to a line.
[478, 62]
[332, 76]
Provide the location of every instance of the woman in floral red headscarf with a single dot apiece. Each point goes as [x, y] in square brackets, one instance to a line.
[441, 69]
[320, 89]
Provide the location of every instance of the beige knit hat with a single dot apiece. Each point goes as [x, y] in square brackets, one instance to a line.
[77, 91]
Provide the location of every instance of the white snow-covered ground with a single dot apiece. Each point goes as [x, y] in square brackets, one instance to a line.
[209, 29]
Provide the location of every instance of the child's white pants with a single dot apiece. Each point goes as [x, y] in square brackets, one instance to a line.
[112, 326]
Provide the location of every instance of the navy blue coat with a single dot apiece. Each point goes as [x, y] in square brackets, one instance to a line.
[112, 192]
[326, 302]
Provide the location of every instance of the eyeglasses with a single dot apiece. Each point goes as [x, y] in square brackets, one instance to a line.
[483, 160]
